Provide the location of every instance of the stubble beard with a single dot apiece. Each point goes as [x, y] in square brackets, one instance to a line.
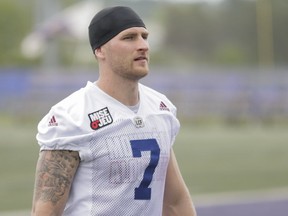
[133, 73]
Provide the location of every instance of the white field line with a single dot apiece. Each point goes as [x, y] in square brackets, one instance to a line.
[225, 198]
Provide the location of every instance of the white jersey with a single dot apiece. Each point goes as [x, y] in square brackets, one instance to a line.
[124, 155]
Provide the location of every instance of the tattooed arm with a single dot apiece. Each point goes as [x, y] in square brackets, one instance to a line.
[54, 175]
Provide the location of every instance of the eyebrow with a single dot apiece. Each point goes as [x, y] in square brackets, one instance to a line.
[135, 32]
[143, 34]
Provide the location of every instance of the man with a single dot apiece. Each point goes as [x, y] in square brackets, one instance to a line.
[107, 148]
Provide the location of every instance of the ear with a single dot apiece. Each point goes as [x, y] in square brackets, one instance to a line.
[99, 53]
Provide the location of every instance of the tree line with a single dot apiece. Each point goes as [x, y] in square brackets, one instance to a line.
[226, 33]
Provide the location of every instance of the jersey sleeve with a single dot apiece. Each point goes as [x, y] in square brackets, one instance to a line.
[163, 106]
[175, 122]
[58, 130]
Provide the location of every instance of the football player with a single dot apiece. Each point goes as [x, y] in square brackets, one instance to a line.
[107, 148]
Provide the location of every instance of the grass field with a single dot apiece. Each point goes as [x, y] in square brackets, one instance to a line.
[233, 159]
[212, 159]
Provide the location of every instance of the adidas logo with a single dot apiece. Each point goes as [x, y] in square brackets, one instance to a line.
[163, 106]
[53, 122]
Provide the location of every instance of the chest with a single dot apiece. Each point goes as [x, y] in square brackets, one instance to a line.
[130, 150]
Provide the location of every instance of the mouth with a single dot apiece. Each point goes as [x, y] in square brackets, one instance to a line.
[141, 58]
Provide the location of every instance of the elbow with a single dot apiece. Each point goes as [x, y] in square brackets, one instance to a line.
[179, 207]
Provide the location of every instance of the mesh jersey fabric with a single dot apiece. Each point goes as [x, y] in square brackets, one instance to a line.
[124, 155]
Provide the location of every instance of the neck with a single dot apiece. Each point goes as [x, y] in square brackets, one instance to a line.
[125, 91]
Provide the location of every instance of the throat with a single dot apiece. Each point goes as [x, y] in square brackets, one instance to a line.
[124, 92]
[134, 108]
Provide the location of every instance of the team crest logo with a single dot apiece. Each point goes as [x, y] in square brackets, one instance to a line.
[100, 118]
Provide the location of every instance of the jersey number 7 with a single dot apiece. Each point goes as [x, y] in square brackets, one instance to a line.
[143, 192]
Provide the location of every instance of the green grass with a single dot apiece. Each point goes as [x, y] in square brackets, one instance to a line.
[211, 160]
[18, 153]
[233, 159]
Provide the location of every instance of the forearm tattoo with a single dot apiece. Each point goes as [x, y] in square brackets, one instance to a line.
[55, 173]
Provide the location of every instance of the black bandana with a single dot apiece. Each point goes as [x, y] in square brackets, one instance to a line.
[109, 22]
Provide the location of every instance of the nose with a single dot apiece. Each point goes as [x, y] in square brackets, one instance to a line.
[143, 44]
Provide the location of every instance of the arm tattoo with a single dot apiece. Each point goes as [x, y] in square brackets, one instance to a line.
[55, 173]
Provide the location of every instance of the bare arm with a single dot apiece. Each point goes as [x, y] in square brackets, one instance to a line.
[54, 175]
[177, 200]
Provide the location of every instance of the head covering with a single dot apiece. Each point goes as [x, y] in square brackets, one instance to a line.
[109, 22]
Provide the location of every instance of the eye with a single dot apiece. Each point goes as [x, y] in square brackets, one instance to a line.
[128, 37]
[145, 36]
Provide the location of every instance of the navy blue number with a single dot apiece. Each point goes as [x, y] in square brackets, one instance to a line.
[143, 192]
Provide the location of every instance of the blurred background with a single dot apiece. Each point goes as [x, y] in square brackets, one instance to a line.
[223, 63]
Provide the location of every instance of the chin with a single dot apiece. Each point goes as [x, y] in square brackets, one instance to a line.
[139, 74]
[142, 73]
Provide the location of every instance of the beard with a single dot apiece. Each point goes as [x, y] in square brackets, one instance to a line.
[134, 71]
